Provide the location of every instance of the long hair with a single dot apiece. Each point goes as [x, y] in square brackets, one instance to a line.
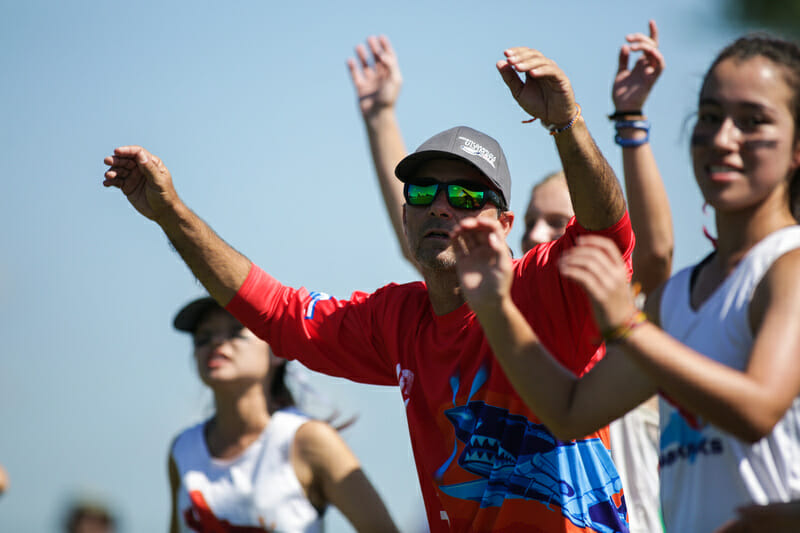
[278, 394]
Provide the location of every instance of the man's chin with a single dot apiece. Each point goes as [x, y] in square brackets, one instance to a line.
[444, 260]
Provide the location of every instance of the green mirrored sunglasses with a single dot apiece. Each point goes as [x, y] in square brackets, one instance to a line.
[460, 196]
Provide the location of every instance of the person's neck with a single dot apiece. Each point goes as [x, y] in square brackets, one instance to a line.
[443, 290]
[240, 416]
[738, 232]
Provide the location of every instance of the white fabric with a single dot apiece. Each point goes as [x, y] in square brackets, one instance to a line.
[259, 488]
[705, 472]
[634, 448]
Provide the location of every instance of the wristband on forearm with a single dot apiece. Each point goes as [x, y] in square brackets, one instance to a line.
[624, 120]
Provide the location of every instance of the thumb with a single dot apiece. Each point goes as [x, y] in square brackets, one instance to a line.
[510, 77]
[147, 163]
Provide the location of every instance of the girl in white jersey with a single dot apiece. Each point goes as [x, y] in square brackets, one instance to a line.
[725, 357]
[257, 464]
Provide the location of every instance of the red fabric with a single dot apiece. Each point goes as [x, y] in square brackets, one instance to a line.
[392, 337]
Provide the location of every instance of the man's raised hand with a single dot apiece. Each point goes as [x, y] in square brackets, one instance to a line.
[143, 178]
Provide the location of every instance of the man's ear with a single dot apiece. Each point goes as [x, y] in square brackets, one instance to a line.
[506, 219]
[405, 225]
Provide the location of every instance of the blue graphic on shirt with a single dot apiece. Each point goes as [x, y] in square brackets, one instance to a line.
[516, 458]
[681, 441]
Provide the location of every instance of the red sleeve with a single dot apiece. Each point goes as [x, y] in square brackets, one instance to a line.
[558, 310]
[331, 336]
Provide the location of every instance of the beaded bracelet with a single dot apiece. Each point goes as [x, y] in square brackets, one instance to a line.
[552, 128]
[554, 131]
[613, 335]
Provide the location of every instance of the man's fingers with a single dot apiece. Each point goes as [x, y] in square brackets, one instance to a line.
[128, 151]
[510, 77]
[121, 162]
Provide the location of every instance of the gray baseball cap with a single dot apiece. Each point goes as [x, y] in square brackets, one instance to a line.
[465, 143]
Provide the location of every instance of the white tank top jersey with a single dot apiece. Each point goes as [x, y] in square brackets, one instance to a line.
[706, 473]
[258, 490]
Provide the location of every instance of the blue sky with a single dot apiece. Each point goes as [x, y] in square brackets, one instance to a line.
[251, 107]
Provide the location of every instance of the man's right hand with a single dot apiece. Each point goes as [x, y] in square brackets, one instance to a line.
[378, 84]
[143, 178]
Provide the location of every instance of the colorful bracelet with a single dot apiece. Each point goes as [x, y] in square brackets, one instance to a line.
[555, 131]
[641, 125]
[613, 335]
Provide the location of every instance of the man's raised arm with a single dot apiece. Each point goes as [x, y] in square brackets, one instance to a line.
[546, 94]
[146, 182]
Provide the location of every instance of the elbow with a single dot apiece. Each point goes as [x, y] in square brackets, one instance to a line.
[754, 432]
[568, 434]
[568, 429]
[652, 270]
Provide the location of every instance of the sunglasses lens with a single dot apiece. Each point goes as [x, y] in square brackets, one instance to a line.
[421, 194]
[463, 198]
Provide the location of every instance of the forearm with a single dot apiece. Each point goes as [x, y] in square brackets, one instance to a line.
[651, 219]
[387, 149]
[218, 267]
[542, 383]
[595, 191]
[722, 396]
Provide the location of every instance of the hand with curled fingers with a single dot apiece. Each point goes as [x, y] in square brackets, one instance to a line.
[544, 91]
[632, 85]
[596, 264]
[378, 83]
[143, 178]
[483, 262]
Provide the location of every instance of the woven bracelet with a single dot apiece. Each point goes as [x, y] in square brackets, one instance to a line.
[555, 131]
[613, 335]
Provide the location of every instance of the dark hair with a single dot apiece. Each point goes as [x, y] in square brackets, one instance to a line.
[280, 397]
[785, 54]
[88, 511]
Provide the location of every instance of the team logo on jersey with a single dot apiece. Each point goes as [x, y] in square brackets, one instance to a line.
[315, 297]
[684, 439]
[517, 459]
[405, 379]
[200, 517]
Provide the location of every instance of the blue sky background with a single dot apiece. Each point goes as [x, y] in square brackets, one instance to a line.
[251, 107]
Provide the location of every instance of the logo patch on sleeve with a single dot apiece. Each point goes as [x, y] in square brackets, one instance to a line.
[315, 297]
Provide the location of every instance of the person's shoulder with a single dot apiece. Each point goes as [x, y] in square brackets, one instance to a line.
[315, 437]
[188, 435]
[402, 291]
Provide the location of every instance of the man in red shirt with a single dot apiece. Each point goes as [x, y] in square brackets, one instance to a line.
[484, 461]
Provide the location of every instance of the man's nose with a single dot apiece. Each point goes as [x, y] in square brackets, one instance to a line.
[440, 206]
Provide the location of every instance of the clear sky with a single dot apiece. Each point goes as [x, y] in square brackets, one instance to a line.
[251, 107]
